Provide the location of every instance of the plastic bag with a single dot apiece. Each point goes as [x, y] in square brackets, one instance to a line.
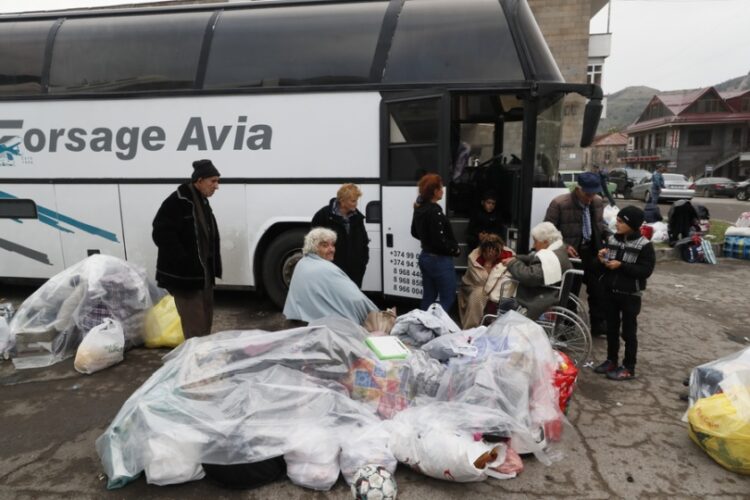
[716, 426]
[163, 326]
[610, 216]
[706, 379]
[368, 447]
[314, 461]
[50, 324]
[4, 338]
[565, 378]
[101, 348]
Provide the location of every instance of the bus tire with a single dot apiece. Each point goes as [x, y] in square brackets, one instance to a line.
[278, 263]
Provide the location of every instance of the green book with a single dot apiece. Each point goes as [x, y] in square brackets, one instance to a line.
[387, 347]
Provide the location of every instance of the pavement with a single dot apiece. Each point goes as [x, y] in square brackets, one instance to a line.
[625, 439]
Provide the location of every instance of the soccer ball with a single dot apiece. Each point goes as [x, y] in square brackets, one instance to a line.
[374, 482]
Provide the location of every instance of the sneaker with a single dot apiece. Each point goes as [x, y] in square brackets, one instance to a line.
[621, 373]
[606, 367]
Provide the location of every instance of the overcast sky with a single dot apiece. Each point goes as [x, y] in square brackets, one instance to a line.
[664, 44]
[675, 44]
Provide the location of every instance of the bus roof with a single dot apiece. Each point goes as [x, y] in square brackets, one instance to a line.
[262, 46]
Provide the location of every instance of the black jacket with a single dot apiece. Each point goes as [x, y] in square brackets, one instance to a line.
[483, 222]
[431, 227]
[638, 260]
[179, 264]
[352, 247]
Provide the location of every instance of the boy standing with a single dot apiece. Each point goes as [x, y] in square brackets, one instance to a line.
[628, 260]
[485, 221]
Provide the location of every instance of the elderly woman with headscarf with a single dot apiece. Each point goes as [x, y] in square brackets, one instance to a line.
[483, 280]
[319, 288]
[540, 269]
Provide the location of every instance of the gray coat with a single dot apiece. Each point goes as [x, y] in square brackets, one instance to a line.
[531, 292]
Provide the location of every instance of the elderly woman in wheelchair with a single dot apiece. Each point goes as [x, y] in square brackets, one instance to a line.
[544, 279]
[539, 271]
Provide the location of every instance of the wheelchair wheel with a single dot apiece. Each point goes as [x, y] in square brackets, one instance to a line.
[568, 333]
[581, 309]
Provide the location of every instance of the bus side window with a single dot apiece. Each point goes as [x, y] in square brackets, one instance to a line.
[413, 140]
[17, 209]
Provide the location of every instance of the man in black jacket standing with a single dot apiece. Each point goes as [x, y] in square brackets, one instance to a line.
[352, 243]
[189, 260]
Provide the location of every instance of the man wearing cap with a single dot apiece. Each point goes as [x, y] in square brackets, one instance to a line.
[578, 215]
[187, 237]
[657, 183]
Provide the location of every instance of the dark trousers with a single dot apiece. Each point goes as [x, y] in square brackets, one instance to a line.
[196, 310]
[622, 310]
[438, 280]
[594, 290]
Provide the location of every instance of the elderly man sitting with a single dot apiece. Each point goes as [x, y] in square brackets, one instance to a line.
[319, 288]
[540, 269]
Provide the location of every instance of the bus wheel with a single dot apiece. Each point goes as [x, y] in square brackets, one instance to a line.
[278, 264]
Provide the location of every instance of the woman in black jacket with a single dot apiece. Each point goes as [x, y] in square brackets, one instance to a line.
[432, 228]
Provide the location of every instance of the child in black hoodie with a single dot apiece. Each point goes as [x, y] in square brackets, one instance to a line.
[628, 260]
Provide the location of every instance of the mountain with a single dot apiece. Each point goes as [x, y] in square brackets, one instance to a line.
[625, 106]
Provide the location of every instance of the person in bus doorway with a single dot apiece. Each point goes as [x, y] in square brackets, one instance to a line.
[433, 230]
[189, 260]
[352, 244]
[604, 181]
[485, 221]
[578, 215]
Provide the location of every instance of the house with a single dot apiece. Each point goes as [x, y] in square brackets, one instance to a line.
[694, 133]
[605, 150]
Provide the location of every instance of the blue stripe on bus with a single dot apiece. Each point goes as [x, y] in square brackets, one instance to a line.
[52, 218]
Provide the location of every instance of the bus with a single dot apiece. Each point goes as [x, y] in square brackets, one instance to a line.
[103, 112]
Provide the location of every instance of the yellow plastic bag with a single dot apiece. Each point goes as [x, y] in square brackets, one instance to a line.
[163, 325]
[716, 426]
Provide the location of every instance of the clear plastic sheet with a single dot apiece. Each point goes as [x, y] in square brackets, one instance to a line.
[418, 327]
[706, 379]
[240, 397]
[512, 373]
[245, 396]
[50, 324]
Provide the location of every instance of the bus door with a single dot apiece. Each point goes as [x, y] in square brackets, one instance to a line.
[414, 135]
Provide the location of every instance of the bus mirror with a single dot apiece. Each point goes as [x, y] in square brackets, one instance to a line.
[591, 116]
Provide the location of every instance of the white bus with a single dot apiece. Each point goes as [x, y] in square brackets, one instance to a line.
[103, 112]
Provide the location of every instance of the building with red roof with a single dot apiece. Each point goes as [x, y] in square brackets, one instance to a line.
[693, 133]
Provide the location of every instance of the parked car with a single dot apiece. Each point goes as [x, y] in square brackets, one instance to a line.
[742, 190]
[676, 187]
[570, 178]
[714, 186]
[624, 180]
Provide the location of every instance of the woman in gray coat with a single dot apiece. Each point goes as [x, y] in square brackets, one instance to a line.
[540, 269]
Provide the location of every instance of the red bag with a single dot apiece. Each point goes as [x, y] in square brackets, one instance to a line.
[647, 231]
[565, 378]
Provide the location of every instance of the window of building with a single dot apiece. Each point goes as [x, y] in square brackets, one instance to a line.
[699, 137]
[595, 73]
[607, 156]
[736, 136]
[660, 140]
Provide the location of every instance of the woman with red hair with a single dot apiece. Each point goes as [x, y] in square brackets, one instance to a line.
[433, 230]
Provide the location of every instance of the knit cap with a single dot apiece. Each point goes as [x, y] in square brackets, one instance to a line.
[632, 216]
[204, 169]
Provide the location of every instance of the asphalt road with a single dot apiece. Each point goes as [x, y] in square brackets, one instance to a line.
[726, 209]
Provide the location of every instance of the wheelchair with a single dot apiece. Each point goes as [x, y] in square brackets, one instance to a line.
[566, 322]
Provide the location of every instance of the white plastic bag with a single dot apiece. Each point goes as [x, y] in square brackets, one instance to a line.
[314, 463]
[101, 348]
[610, 216]
[4, 338]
